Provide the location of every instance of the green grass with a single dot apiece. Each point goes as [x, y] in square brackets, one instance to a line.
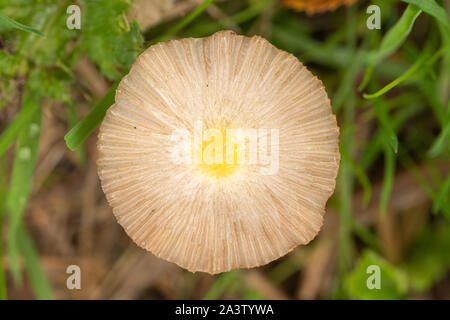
[3, 183]
[10, 134]
[394, 79]
[75, 137]
[10, 23]
[21, 182]
[38, 279]
[184, 22]
[433, 9]
[392, 40]
[441, 141]
[222, 284]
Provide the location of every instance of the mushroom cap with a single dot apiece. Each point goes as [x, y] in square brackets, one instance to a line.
[315, 6]
[211, 218]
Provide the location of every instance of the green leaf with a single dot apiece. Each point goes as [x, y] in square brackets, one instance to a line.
[28, 46]
[10, 23]
[392, 40]
[50, 83]
[393, 283]
[433, 9]
[8, 63]
[21, 180]
[75, 137]
[107, 37]
[50, 50]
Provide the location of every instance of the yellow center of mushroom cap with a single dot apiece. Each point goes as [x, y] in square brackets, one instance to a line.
[218, 155]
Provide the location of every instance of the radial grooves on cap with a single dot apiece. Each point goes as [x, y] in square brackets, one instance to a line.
[315, 6]
[241, 221]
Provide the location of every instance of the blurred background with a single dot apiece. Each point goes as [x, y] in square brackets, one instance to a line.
[389, 88]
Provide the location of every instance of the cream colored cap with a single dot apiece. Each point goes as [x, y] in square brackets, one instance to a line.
[215, 218]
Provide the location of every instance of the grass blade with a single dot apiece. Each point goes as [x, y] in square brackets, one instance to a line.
[11, 132]
[392, 40]
[433, 9]
[397, 34]
[439, 144]
[3, 293]
[10, 23]
[424, 61]
[345, 181]
[72, 116]
[441, 202]
[359, 172]
[75, 137]
[384, 119]
[184, 22]
[366, 235]
[411, 71]
[348, 79]
[252, 11]
[223, 282]
[430, 91]
[21, 181]
[388, 178]
[284, 270]
[36, 275]
[251, 294]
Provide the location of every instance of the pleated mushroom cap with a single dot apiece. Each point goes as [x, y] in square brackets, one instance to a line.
[315, 6]
[214, 218]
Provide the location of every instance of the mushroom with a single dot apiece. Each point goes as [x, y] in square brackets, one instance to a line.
[219, 152]
[315, 6]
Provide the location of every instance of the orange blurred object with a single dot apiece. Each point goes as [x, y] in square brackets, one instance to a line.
[315, 6]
